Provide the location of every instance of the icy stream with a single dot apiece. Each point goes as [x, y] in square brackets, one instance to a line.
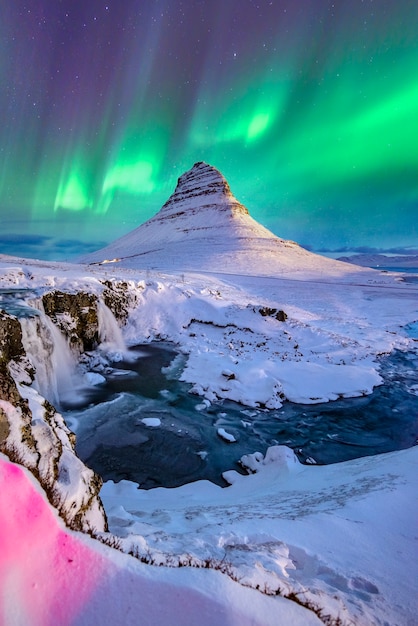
[143, 425]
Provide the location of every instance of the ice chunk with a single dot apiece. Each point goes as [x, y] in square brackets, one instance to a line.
[223, 434]
[154, 422]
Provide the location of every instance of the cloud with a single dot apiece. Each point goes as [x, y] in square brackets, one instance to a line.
[17, 244]
[13, 239]
[46, 247]
[72, 248]
[84, 246]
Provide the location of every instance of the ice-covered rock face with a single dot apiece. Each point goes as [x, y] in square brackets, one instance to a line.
[202, 187]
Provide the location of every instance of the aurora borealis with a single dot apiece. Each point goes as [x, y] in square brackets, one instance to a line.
[308, 107]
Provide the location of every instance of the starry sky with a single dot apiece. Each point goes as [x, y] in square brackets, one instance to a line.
[308, 107]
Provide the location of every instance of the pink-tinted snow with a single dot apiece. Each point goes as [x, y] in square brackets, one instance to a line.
[46, 574]
[50, 576]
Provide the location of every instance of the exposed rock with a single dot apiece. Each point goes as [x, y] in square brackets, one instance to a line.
[76, 316]
[278, 314]
[4, 427]
[116, 297]
[10, 338]
[11, 350]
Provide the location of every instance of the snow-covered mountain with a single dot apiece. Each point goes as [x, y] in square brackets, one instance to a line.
[203, 227]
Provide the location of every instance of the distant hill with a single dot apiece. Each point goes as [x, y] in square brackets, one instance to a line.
[382, 260]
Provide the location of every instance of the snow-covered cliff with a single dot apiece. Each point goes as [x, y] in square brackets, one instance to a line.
[32, 431]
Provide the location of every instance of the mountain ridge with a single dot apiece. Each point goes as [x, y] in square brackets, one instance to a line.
[375, 260]
[202, 226]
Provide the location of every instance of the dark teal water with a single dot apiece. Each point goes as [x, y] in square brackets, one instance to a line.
[113, 440]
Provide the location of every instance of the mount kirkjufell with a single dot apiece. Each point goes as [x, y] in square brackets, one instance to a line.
[202, 226]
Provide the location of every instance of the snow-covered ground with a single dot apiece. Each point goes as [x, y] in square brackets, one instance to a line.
[340, 538]
[237, 348]
[51, 576]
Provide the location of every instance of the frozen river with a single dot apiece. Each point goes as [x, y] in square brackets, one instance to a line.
[143, 424]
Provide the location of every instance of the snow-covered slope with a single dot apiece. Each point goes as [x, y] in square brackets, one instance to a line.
[202, 226]
[339, 537]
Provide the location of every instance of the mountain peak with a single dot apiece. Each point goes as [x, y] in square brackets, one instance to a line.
[202, 187]
[202, 176]
[202, 226]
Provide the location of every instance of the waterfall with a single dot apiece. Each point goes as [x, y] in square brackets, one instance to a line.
[50, 355]
[110, 335]
[56, 377]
